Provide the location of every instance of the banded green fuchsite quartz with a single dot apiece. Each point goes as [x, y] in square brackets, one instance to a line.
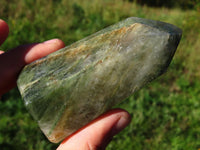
[67, 89]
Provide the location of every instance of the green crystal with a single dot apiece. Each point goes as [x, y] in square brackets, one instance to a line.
[68, 88]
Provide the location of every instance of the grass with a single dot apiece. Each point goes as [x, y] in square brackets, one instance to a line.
[165, 114]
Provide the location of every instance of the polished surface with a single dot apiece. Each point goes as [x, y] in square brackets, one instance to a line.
[69, 88]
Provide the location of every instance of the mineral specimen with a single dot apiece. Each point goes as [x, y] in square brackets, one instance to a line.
[67, 89]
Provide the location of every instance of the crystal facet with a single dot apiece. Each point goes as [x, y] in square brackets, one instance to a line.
[68, 88]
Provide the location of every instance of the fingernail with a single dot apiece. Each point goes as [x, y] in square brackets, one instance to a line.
[1, 20]
[51, 41]
[121, 124]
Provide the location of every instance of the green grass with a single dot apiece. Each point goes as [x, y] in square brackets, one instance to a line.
[165, 114]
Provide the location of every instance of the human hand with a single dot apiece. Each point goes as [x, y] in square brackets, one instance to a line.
[14, 60]
[94, 136]
[97, 134]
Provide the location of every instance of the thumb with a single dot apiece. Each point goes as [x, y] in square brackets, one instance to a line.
[97, 134]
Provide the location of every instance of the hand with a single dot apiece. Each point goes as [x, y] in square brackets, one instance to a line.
[14, 60]
[94, 136]
[97, 134]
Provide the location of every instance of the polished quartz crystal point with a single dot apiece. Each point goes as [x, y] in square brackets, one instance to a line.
[68, 88]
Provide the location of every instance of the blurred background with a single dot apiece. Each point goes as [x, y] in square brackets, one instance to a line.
[165, 114]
